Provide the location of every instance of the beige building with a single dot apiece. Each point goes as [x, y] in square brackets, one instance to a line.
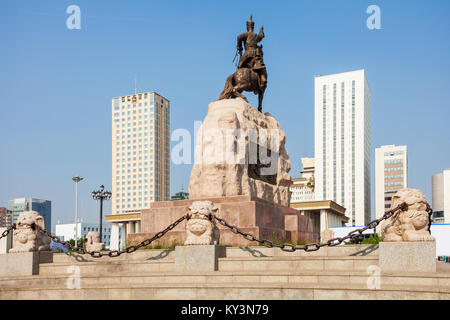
[140, 159]
[302, 189]
[391, 175]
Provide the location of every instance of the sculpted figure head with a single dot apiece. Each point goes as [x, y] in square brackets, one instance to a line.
[93, 242]
[27, 239]
[200, 228]
[409, 225]
[27, 218]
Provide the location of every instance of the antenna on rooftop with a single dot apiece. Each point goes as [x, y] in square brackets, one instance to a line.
[135, 84]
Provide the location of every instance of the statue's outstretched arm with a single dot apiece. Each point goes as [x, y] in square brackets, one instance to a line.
[261, 34]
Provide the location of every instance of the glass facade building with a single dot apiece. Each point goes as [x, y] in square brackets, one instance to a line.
[43, 207]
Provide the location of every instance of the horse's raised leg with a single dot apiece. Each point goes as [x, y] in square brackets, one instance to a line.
[260, 99]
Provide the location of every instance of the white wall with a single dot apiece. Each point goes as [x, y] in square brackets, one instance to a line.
[440, 231]
[442, 234]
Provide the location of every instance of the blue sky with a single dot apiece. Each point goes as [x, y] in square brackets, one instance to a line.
[56, 84]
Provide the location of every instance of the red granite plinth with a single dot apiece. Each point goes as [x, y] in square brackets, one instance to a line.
[264, 219]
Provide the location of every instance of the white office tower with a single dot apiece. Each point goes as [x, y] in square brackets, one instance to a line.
[342, 142]
[391, 175]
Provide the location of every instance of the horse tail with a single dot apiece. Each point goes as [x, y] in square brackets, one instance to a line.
[228, 88]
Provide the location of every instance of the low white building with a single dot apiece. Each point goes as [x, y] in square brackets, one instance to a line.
[441, 232]
[67, 231]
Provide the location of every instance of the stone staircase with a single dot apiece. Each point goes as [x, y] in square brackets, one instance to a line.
[245, 273]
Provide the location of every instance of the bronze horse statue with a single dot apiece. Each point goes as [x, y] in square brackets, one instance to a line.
[244, 79]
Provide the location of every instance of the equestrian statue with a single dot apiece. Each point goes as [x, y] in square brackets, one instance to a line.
[251, 74]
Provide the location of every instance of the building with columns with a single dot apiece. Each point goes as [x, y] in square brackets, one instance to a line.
[328, 213]
[140, 160]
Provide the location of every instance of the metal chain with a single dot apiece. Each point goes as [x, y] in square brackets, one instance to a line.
[112, 253]
[353, 235]
[7, 231]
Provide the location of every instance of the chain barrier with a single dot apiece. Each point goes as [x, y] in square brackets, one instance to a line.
[7, 231]
[288, 247]
[111, 253]
[353, 235]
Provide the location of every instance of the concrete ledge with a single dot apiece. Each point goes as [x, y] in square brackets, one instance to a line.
[23, 263]
[198, 258]
[418, 256]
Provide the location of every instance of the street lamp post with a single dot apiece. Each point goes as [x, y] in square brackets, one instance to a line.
[101, 195]
[76, 179]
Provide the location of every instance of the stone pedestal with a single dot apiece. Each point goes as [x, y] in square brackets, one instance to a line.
[198, 258]
[418, 256]
[23, 263]
[231, 146]
[262, 218]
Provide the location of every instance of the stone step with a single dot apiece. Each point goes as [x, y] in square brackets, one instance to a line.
[116, 267]
[344, 263]
[102, 280]
[140, 255]
[194, 291]
[360, 263]
[337, 251]
[232, 252]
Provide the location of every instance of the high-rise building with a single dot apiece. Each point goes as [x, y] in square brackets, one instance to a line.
[441, 197]
[342, 143]
[43, 207]
[140, 158]
[303, 188]
[391, 175]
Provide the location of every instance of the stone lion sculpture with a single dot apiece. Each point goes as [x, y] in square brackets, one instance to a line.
[27, 239]
[409, 225]
[200, 228]
[93, 242]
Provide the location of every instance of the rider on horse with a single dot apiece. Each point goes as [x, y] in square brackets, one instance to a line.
[251, 75]
[253, 56]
